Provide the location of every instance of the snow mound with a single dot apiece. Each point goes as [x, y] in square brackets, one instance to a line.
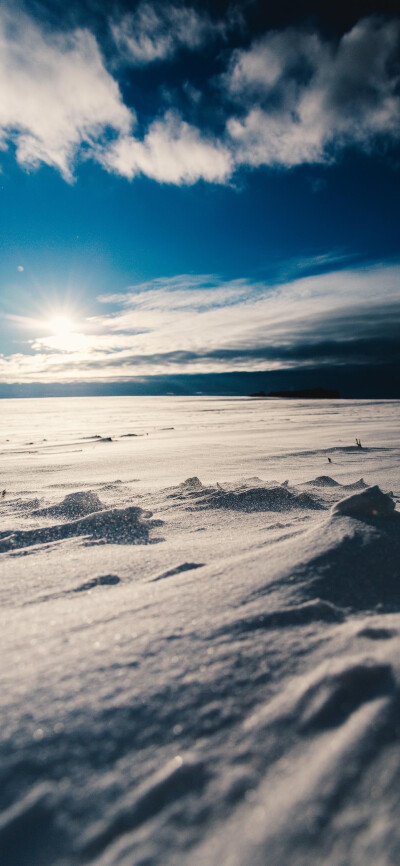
[249, 495]
[246, 483]
[327, 481]
[74, 505]
[191, 485]
[112, 485]
[353, 560]
[372, 502]
[116, 526]
[324, 481]
[189, 488]
[357, 485]
[258, 499]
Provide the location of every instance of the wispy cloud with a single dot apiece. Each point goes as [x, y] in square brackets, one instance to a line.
[206, 325]
[157, 31]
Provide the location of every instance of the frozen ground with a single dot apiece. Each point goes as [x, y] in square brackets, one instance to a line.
[200, 620]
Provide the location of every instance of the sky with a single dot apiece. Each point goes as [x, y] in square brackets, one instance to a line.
[199, 197]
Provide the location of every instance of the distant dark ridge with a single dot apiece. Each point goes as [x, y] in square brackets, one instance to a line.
[307, 393]
[358, 381]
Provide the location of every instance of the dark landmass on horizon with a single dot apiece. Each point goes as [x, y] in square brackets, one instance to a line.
[302, 394]
[379, 381]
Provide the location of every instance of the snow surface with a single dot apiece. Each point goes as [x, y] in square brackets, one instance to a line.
[200, 618]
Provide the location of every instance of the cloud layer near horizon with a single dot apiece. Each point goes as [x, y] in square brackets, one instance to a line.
[289, 98]
[203, 324]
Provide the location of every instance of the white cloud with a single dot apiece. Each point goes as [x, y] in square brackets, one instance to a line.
[260, 68]
[55, 93]
[57, 100]
[309, 98]
[291, 98]
[156, 31]
[172, 151]
[207, 325]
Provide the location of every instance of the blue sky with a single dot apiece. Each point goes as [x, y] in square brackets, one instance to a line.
[198, 190]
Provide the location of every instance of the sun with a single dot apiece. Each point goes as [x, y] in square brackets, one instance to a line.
[61, 326]
[65, 333]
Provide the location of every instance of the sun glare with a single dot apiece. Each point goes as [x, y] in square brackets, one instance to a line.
[64, 334]
[61, 326]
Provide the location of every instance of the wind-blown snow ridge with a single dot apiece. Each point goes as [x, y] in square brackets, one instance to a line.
[129, 525]
[178, 569]
[24, 825]
[298, 615]
[328, 696]
[337, 723]
[102, 580]
[180, 776]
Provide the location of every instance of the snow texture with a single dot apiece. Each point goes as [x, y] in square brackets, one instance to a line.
[199, 632]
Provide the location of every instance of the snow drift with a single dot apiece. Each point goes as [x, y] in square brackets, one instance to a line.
[228, 695]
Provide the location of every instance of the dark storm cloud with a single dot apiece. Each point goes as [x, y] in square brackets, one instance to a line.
[377, 350]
